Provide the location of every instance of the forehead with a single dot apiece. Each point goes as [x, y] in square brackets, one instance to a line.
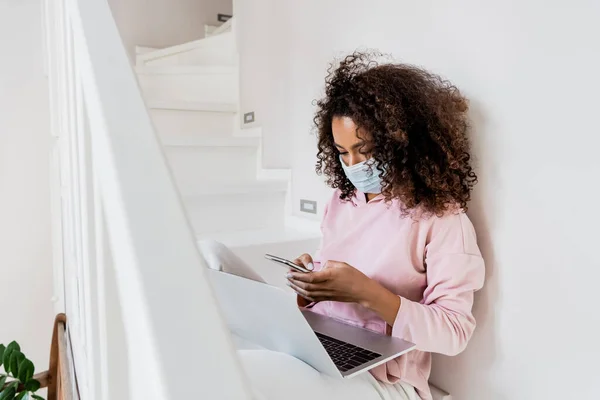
[346, 132]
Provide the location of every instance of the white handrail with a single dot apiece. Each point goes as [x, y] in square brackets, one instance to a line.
[178, 347]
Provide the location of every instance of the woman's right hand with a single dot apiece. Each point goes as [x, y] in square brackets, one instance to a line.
[306, 261]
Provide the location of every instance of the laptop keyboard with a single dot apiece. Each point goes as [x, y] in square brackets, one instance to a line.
[345, 355]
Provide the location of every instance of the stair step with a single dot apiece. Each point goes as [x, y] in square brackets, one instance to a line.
[196, 165]
[209, 42]
[236, 207]
[218, 84]
[225, 27]
[261, 236]
[186, 70]
[139, 50]
[184, 105]
[238, 189]
[195, 140]
[177, 123]
[218, 49]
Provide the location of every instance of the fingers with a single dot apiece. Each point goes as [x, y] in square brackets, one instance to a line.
[306, 261]
[307, 294]
[313, 277]
[309, 287]
[309, 291]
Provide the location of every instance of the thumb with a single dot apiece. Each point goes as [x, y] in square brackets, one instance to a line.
[306, 260]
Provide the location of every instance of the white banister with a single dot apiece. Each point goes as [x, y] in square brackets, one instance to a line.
[116, 188]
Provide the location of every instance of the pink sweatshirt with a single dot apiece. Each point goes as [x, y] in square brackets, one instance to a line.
[432, 263]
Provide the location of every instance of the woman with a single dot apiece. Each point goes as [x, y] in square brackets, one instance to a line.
[399, 255]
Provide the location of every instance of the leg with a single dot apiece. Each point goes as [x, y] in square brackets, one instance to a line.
[221, 258]
[275, 376]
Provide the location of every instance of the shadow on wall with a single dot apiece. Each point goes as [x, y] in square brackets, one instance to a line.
[470, 373]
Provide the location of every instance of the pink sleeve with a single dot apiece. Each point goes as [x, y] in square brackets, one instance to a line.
[442, 322]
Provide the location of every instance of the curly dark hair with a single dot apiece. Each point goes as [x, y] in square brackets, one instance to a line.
[417, 132]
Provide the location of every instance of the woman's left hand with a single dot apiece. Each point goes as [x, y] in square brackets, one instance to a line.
[337, 281]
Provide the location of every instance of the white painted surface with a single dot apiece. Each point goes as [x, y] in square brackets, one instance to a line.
[209, 141]
[195, 166]
[237, 209]
[25, 239]
[163, 23]
[209, 29]
[214, 50]
[224, 27]
[139, 50]
[146, 229]
[171, 122]
[217, 84]
[263, 236]
[182, 105]
[217, 167]
[263, 45]
[530, 70]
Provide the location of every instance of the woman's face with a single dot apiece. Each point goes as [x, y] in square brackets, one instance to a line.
[352, 148]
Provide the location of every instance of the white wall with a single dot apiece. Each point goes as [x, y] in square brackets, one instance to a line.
[264, 53]
[25, 246]
[162, 23]
[531, 72]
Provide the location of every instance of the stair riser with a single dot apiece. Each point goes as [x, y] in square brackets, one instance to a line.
[224, 213]
[214, 87]
[195, 57]
[177, 122]
[193, 167]
[140, 50]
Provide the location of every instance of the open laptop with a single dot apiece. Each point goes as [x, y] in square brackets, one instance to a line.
[269, 316]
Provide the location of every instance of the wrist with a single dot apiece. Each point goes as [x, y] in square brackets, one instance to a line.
[381, 301]
[371, 294]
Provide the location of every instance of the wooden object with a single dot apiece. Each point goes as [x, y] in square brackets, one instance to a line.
[59, 374]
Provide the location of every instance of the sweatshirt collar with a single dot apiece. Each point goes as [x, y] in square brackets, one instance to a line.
[360, 199]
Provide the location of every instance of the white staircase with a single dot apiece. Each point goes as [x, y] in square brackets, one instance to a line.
[124, 258]
[192, 91]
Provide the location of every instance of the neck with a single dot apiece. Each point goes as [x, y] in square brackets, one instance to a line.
[371, 196]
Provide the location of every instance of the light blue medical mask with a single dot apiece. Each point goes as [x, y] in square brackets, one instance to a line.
[363, 179]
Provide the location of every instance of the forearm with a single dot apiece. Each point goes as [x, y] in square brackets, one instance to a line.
[381, 301]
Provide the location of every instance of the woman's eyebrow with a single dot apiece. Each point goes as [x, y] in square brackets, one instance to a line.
[354, 146]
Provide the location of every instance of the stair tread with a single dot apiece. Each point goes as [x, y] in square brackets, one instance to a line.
[201, 140]
[215, 189]
[186, 69]
[180, 48]
[192, 106]
[140, 50]
[261, 236]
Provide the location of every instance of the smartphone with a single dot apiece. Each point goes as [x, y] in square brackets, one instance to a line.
[287, 263]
